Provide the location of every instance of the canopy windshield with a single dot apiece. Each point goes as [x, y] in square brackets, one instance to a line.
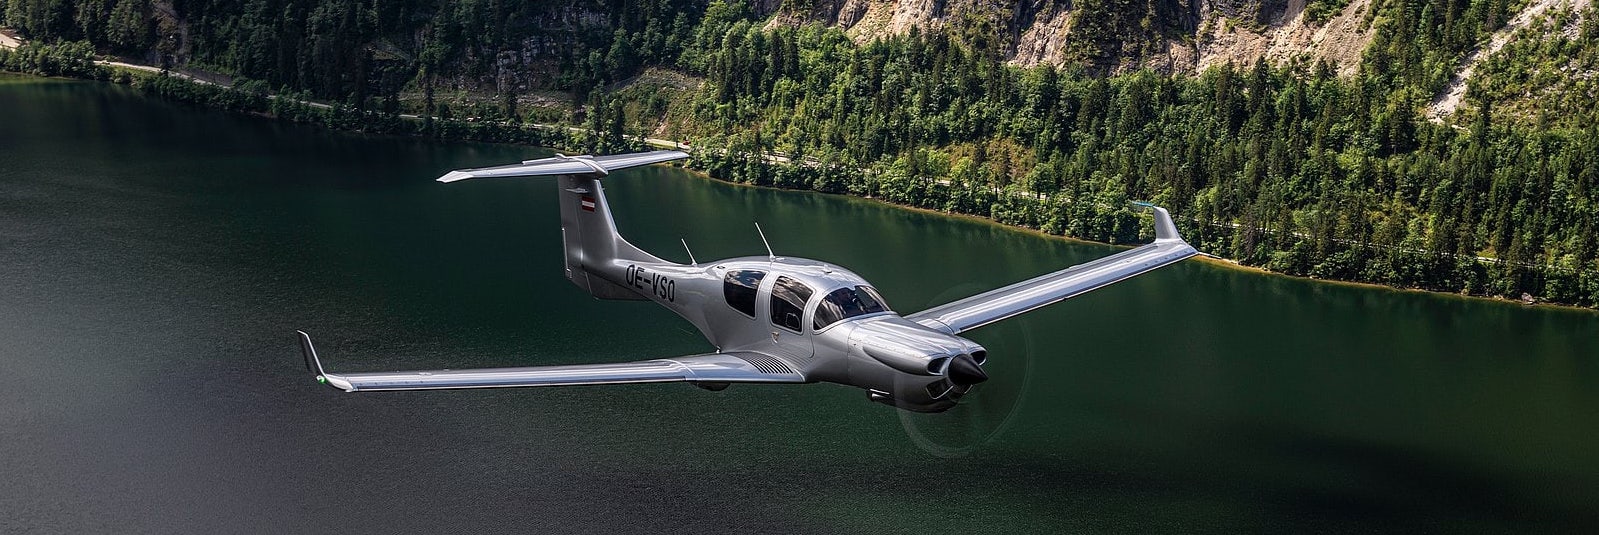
[845, 303]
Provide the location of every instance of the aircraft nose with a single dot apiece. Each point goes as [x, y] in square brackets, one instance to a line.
[963, 370]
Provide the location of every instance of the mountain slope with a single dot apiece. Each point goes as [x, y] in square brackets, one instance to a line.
[1114, 36]
[1574, 13]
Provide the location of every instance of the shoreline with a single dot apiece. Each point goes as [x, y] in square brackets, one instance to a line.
[661, 143]
[1214, 261]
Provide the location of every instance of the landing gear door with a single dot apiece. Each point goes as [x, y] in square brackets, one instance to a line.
[785, 316]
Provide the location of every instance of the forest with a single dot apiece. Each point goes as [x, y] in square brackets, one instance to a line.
[1289, 167]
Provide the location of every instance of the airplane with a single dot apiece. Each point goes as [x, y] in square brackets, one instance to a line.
[772, 319]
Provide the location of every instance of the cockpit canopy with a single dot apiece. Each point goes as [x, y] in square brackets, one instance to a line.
[845, 303]
[788, 297]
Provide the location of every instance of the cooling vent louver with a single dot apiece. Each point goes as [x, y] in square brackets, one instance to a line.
[766, 364]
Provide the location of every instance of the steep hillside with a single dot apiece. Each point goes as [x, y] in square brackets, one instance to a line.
[356, 50]
[1339, 38]
[1115, 36]
[1552, 60]
[1274, 162]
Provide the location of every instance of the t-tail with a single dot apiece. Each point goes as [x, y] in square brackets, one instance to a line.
[588, 233]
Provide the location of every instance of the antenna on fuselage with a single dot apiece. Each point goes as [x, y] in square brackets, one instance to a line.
[763, 240]
[691, 259]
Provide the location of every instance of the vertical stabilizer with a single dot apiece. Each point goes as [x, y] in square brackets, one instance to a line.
[591, 241]
[592, 246]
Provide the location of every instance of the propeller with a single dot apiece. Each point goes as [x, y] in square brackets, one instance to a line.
[982, 413]
[964, 371]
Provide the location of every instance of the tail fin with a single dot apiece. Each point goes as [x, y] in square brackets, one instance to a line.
[588, 233]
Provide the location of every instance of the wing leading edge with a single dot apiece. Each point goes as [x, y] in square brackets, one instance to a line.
[1031, 294]
[730, 367]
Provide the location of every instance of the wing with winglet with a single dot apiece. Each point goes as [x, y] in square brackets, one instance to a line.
[710, 368]
[985, 308]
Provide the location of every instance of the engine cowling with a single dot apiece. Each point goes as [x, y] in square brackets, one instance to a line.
[914, 367]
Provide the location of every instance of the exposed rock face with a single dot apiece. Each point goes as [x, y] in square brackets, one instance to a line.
[549, 31]
[1044, 41]
[1261, 11]
[1339, 40]
[1112, 35]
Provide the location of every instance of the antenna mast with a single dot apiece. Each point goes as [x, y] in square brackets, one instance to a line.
[691, 259]
[763, 240]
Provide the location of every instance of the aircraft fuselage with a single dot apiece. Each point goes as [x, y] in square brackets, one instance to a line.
[733, 305]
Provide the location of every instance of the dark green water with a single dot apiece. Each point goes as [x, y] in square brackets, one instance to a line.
[155, 259]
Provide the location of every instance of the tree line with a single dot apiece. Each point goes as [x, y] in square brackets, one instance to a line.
[1289, 167]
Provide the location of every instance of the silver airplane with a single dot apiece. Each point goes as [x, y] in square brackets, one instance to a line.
[773, 319]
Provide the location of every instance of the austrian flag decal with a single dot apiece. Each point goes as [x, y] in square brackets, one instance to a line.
[587, 204]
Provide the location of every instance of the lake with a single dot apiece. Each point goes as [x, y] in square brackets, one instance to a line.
[155, 260]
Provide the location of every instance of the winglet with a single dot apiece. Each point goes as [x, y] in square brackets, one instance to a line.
[314, 365]
[1165, 229]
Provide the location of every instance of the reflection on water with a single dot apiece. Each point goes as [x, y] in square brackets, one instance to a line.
[154, 260]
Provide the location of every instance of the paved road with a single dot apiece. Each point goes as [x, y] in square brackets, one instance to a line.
[147, 68]
[191, 78]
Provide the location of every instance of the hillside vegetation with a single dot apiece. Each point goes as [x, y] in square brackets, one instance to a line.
[1289, 162]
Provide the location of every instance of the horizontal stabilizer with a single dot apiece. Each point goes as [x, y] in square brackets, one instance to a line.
[590, 166]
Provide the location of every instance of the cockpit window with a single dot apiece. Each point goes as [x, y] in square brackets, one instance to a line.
[846, 303]
[739, 288]
[788, 302]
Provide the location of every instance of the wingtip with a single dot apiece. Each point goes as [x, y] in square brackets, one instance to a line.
[314, 365]
[1165, 228]
[454, 176]
[308, 352]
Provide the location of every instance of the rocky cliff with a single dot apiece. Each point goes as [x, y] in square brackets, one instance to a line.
[1113, 35]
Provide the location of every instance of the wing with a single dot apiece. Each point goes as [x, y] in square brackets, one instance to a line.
[985, 308]
[730, 367]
